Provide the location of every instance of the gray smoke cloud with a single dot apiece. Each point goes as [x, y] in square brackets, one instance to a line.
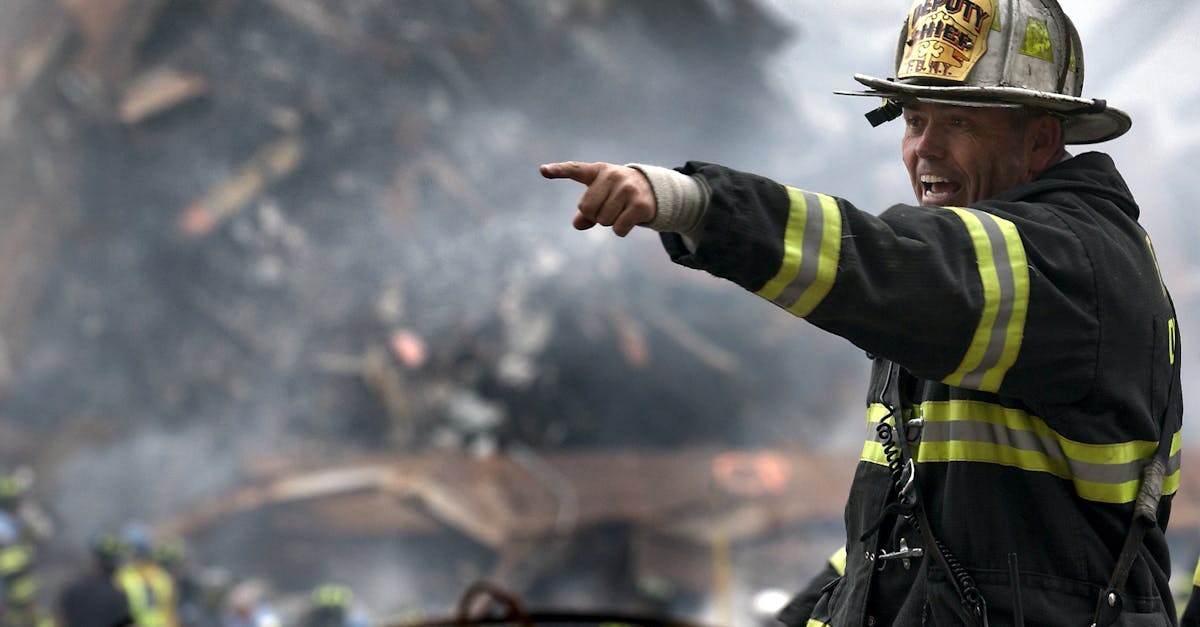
[417, 206]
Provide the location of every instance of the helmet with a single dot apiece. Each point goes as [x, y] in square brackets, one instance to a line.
[137, 538]
[108, 547]
[170, 552]
[994, 53]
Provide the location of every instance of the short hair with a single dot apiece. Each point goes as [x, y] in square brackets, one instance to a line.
[1022, 117]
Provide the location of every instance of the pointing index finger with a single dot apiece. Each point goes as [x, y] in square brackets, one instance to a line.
[580, 172]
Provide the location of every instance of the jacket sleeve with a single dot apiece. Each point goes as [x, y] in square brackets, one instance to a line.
[1191, 613]
[800, 608]
[953, 294]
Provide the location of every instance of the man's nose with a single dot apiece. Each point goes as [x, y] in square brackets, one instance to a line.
[931, 143]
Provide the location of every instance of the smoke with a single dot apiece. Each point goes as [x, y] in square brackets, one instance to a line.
[416, 206]
[149, 475]
[413, 205]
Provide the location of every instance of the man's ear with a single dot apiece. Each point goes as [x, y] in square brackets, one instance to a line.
[1045, 143]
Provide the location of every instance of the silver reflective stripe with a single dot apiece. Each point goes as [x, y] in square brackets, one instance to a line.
[1004, 278]
[811, 249]
[961, 430]
[812, 244]
[976, 431]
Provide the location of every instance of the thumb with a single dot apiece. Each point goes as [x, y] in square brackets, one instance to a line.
[580, 172]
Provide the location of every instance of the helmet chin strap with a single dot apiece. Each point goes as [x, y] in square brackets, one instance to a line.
[888, 111]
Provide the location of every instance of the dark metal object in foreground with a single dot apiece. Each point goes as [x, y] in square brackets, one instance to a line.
[502, 608]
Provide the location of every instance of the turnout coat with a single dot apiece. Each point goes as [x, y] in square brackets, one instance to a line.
[1039, 366]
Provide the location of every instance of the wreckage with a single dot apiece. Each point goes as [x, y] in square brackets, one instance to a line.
[287, 239]
[272, 279]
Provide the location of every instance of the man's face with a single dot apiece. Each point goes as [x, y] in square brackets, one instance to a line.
[959, 155]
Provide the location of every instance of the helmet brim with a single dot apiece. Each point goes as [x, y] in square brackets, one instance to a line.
[1085, 121]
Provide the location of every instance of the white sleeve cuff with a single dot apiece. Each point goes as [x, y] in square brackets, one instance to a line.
[682, 201]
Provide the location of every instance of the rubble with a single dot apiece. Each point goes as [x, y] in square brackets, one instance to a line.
[270, 164]
[157, 90]
[311, 230]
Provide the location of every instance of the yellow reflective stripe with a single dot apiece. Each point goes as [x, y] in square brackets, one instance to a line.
[872, 448]
[987, 452]
[1032, 461]
[1121, 492]
[792, 246]
[830, 251]
[811, 248]
[812, 622]
[13, 558]
[1196, 575]
[1015, 330]
[1015, 419]
[131, 582]
[150, 593]
[21, 590]
[1171, 340]
[838, 561]
[975, 431]
[1171, 483]
[1004, 275]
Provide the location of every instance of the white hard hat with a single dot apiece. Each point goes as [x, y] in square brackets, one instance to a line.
[994, 53]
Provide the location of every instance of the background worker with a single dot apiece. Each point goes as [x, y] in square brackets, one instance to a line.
[149, 588]
[93, 598]
[193, 606]
[22, 527]
[1191, 612]
[332, 605]
[1024, 403]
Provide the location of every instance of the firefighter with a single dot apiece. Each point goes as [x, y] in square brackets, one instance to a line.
[1191, 611]
[93, 599]
[19, 535]
[332, 605]
[172, 555]
[1024, 406]
[149, 588]
[801, 606]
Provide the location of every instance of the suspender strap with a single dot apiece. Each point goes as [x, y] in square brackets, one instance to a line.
[1145, 516]
[1145, 510]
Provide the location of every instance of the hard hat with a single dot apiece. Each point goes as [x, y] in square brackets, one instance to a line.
[137, 538]
[170, 551]
[994, 53]
[108, 547]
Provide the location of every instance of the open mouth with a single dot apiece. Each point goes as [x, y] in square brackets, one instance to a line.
[936, 187]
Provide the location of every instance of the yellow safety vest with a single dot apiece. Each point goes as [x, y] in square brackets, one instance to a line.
[151, 594]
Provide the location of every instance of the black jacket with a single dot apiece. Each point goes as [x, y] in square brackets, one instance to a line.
[1040, 351]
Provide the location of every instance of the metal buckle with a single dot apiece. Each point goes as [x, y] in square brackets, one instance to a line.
[904, 554]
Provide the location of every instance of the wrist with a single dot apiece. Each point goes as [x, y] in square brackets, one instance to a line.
[681, 200]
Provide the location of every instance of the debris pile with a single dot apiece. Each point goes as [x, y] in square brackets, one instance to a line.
[299, 240]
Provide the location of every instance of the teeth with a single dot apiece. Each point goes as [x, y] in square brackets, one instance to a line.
[930, 178]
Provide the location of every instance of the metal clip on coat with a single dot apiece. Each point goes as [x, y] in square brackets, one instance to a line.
[904, 554]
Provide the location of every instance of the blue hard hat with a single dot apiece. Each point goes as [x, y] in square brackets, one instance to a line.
[137, 539]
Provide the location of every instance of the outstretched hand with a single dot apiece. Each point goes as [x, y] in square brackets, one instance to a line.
[618, 196]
